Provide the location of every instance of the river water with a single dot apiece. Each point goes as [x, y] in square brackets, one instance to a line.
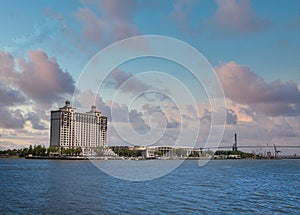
[220, 187]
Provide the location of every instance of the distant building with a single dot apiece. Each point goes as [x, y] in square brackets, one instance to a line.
[234, 156]
[70, 129]
[149, 152]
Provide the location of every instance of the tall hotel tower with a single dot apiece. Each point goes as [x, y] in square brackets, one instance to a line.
[71, 129]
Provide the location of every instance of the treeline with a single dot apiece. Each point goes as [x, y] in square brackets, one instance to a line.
[126, 152]
[242, 154]
[36, 150]
[39, 150]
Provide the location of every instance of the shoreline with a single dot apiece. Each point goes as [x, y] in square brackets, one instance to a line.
[140, 159]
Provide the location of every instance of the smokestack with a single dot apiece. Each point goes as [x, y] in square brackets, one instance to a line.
[235, 140]
[234, 147]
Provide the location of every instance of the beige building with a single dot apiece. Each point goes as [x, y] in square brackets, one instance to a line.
[72, 129]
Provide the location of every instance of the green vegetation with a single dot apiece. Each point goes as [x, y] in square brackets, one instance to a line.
[35, 151]
[242, 154]
[10, 152]
[194, 154]
[52, 149]
[70, 151]
[40, 150]
[126, 152]
[158, 153]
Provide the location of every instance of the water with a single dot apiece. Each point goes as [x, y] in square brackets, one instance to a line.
[221, 187]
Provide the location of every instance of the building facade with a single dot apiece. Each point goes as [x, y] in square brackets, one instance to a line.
[70, 129]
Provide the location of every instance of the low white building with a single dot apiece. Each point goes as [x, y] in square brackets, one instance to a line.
[165, 151]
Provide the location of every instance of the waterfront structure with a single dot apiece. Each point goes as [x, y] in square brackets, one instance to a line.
[149, 152]
[71, 129]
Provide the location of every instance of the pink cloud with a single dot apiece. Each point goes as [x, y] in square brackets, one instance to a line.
[91, 24]
[111, 21]
[243, 86]
[42, 79]
[39, 81]
[237, 16]
[117, 9]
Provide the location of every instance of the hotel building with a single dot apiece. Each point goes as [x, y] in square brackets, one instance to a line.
[72, 129]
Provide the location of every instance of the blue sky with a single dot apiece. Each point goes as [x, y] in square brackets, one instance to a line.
[272, 52]
[256, 42]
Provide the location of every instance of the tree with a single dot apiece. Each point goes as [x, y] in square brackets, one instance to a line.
[78, 151]
[30, 150]
[194, 154]
[24, 152]
[39, 150]
[52, 149]
[158, 153]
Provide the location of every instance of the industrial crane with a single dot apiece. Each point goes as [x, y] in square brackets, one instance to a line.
[276, 151]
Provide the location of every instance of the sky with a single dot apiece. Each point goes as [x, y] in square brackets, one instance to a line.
[253, 48]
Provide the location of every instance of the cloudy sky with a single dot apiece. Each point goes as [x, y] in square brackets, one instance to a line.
[253, 46]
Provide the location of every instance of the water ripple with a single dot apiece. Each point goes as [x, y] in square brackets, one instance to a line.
[221, 187]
